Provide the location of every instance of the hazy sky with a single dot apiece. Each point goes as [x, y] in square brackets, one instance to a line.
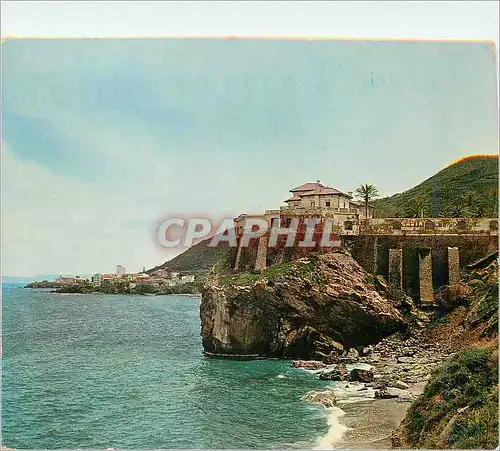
[102, 139]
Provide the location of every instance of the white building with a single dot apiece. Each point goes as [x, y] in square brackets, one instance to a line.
[121, 270]
[96, 280]
[187, 278]
[318, 196]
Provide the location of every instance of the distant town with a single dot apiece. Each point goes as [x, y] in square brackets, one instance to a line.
[120, 281]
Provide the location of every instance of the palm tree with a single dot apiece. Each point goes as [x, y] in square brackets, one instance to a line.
[458, 210]
[416, 207]
[478, 211]
[366, 192]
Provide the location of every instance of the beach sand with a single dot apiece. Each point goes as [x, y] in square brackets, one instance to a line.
[368, 423]
[371, 423]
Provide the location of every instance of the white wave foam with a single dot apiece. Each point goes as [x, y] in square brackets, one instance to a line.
[336, 430]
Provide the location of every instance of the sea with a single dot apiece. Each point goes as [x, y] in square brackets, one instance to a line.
[100, 371]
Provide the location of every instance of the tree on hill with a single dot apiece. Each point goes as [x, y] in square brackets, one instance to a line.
[366, 192]
[416, 208]
[458, 210]
[478, 175]
[478, 211]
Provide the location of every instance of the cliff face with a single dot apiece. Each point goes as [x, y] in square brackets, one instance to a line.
[309, 308]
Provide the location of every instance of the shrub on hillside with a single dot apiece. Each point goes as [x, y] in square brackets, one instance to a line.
[456, 407]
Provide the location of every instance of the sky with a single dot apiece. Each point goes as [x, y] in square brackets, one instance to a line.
[103, 139]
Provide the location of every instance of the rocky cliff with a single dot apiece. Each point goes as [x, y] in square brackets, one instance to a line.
[311, 308]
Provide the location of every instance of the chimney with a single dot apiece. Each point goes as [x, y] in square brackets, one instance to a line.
[349, 193]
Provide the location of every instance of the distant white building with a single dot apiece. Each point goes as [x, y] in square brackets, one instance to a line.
[96, 280]
[188, 278]
[121, 270]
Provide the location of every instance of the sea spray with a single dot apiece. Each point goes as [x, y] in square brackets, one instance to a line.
[336, 429]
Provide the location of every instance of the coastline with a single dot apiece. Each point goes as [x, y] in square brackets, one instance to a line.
[102, 293]
[366, 414]
[360, 421]
[369, 424]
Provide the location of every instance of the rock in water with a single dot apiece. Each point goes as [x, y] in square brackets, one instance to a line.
[361, 375]
[326, 398]
[307, 309]
[339, 373]
[308, 364]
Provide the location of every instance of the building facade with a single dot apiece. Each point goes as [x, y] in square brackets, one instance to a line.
[313, 200]
[121, 270]
[96, 280]
[317, 197]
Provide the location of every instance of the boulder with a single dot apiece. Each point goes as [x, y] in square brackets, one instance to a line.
[328, 359]
[451, 296]
[326, 398]
[367, 350]
[308, 364]
[339, 373]
[361, 375]
[326, 349]
[385, 393]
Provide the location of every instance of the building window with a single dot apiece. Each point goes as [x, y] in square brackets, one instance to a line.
[348, 225]
[327, 204]
[312, 204]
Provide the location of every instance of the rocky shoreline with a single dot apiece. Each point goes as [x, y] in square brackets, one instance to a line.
[374, 387]
[380, 353]
[188, 289]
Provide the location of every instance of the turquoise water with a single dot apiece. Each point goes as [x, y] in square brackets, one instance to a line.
[97, 371]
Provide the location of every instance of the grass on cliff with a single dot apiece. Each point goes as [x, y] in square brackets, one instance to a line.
[459, 406]
[306, 269]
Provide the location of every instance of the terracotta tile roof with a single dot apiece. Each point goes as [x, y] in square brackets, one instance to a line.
[294, 197]
[307, 187]
[313, 189]
[324, 190]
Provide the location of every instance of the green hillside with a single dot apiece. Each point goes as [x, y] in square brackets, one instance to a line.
[198, 259]
[467, 188]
